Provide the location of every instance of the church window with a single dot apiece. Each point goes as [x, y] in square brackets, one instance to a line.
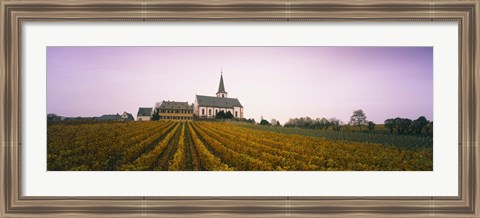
[209, 111]
[236, 113]
[203, 111]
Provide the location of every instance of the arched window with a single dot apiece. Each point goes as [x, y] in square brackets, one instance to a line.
[236, 113]
[209, 111]
[203, 111]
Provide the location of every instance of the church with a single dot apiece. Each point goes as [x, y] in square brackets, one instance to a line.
[209, 106]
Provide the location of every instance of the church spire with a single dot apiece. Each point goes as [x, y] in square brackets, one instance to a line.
[221, 88]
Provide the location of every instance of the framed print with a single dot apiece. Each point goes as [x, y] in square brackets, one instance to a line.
[234, 108]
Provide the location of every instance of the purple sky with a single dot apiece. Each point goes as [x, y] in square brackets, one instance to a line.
[276, 82]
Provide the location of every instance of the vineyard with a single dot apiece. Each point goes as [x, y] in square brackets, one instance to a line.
[216, 146]
[402, 141]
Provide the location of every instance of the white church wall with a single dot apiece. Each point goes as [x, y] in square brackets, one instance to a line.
[237, 112]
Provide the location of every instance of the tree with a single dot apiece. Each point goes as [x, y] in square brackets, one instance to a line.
[264, 122]
[324, 123]
[156, 112]
[402, 125]
[317, 124]
[370, 126]
[419, 124]
[429, 127]
[220, 115]
[327, 124]
[228, 115]
[307, 122]
[358, 118]
[390, 124]
[336, 123]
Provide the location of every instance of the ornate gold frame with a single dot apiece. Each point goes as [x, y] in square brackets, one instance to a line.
[14, 12]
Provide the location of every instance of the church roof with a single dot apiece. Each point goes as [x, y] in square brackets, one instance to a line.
[176, 105]
[211, 101]
[221, 87]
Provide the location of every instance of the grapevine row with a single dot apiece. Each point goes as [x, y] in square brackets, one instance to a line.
[147, 160]
[237, 160]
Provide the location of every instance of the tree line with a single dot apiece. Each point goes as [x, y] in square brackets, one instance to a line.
[407, 126]
[395, 125]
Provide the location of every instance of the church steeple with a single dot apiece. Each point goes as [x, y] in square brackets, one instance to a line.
[221, 88]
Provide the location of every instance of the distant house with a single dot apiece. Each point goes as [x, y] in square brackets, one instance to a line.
[127, 117]
[109, 117]
[209, 106]
[174, 110]
[144, 113]
[80, 118]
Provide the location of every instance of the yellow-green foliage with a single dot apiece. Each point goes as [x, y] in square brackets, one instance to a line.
[212, 146]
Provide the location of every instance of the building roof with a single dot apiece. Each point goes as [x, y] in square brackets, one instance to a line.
[176, 105]
[144, 111]
[129, 116]
[221, 87]
[109, 117]
[217, 102]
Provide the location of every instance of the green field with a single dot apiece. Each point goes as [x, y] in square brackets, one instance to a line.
[353, 134]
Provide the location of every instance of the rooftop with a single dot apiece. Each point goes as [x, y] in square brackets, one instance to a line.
[179, 105]
[217, 102]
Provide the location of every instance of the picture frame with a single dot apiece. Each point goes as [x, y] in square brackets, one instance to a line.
[14, 13]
